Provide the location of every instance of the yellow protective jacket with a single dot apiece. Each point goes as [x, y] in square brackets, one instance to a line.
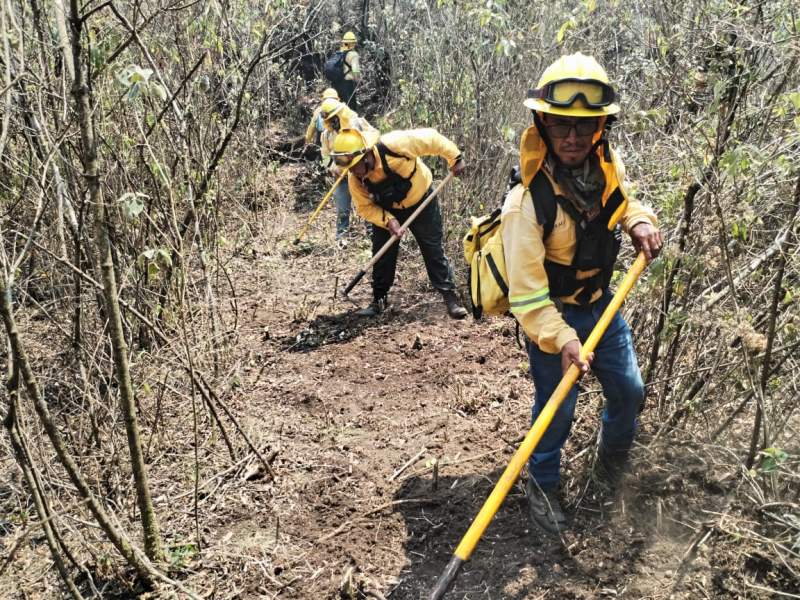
[525, 250]
[353, 72]
[311, 130]
[348, 119]
[413, 144]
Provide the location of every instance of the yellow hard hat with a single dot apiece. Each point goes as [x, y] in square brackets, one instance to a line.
[330, 93]
[349, 147]
[349, 38]
[574, 86]
[330, 108]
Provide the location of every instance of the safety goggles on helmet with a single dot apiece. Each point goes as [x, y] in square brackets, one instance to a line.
[348, 159]
[564, 92]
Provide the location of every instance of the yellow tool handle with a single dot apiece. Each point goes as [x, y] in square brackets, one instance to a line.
[509, 476]
[320, 206]
[470, 540]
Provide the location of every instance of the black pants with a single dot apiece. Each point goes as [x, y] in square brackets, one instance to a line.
[347, 93]
[427, 230]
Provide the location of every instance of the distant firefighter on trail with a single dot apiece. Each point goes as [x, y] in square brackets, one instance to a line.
[336, 117]
[316, 125]
[387, 181]
[328, 119]
[342, 69]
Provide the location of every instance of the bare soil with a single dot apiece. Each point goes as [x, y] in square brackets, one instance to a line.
[347, 401]
[340, 404]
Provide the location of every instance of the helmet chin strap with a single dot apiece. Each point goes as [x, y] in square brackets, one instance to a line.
[537, 120]
[610, 120]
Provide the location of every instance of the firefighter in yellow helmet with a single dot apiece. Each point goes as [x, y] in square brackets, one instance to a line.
[316, 125]
[387, 181]
[351, 70]
[336, 116]
[561, 237]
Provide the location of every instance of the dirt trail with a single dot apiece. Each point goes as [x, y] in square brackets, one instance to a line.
[347, 401]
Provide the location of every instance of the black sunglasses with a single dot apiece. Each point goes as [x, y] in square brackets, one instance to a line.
[582, 127]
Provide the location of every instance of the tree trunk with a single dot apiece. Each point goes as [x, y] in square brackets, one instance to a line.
[23, 366]
[45, 517]
[63, 38]
[90, 161]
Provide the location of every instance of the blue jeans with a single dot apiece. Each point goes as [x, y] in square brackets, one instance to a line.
[614, 366]
[341, 195]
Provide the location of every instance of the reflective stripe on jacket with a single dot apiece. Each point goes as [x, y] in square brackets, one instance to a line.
[525, 250]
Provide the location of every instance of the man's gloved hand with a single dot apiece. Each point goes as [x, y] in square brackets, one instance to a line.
[394, 228]
[459, 168]
[647, 239]
[571, 354]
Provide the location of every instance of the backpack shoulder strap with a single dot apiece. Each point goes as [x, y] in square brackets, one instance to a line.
[382, 154]
[384, 150]
[614, 201]
[544, 202]
[391, 152]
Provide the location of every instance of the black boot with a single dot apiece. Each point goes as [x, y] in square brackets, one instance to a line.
[454, 308]
[376, 307]
[544, 509]
[610, 467]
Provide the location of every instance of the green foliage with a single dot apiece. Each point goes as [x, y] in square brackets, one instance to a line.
[136, 81]
[181, 555]
[772, 459]
[792, 99]
[738, 161]
[100, 49]
[739, 231]
[570, 23]
[644, 120]
[676, 318]
[154, 260]
[132, 204]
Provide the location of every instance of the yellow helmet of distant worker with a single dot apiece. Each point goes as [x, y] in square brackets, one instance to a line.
[330, 108]
[349, 38]
[574, 86]
[330, 93]
[349, 147]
